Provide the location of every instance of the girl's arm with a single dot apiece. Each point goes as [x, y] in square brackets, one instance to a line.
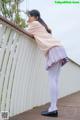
[31, 35]
[30, 30]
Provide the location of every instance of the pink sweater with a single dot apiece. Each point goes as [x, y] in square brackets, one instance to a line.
[44, 40]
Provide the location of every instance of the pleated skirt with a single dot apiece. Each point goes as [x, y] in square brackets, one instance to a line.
[55, 55]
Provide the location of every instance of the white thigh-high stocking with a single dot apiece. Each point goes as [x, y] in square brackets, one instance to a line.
[53, 74]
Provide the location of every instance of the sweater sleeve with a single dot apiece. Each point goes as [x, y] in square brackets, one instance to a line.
[33, 27]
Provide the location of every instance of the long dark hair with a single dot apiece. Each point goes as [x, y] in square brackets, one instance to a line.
[36, 13]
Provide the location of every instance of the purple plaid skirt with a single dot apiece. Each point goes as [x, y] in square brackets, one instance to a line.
[56, 54]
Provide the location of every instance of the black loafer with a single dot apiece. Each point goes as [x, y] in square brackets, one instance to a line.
[50, 114]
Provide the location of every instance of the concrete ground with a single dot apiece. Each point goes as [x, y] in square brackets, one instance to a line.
[68, 107]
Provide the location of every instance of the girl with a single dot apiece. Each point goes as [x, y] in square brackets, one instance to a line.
[54, 53]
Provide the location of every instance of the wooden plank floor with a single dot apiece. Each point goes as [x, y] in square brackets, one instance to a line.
[69, 109]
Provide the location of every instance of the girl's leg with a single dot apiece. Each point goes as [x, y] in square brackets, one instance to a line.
[53, 73]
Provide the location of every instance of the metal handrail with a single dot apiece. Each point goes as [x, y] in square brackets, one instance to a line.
[3, 19]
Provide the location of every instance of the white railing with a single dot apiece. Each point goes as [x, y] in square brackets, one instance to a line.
[23, 79]
[21, 71]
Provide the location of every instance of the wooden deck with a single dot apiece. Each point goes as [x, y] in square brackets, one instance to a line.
[69, 109]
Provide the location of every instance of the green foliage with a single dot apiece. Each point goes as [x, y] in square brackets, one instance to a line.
[10, 10]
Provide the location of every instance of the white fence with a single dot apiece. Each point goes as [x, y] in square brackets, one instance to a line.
[23, 79]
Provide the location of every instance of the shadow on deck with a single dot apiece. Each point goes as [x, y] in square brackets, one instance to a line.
[69, 109]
